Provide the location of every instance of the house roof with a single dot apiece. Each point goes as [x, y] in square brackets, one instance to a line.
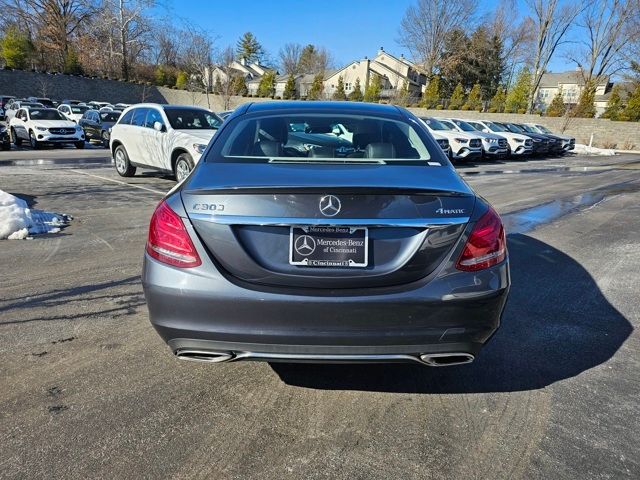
[626, 88]
[552, 80]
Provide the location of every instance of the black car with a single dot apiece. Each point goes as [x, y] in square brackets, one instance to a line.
[47, 102]
[540, 142]
[97, 125]
[5, 138]
[271, 252]
[555, 143]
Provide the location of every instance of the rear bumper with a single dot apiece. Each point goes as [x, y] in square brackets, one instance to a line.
[458, 313]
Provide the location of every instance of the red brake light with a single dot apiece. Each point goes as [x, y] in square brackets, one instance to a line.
[486, 246]
[168, 240]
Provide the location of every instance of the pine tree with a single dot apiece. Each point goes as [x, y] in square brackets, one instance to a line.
[585, 107]
[15, 48]
[474, 100]
[614, 105]
[339, 93]
[181, 80]
[431, 96]
[498, 100]
[217, 85]
[632, 110]
[356, 94]
[267, 85]
[373, 89]
[457, 98]
[72, 63]
[518, 96]
[317, 87]
[557, 107]
[249, 48]
[239, 85]
[402, 98]
[290, 88]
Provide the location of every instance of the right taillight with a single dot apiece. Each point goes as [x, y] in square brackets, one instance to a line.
[168, 240]
[486, 245]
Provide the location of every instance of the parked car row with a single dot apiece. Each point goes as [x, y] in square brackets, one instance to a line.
[476, 139]
[72, 109]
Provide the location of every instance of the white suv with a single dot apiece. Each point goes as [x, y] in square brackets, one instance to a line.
[463, 145]
[492, 145]
[519, 144]
[169, 138]
[44, 125]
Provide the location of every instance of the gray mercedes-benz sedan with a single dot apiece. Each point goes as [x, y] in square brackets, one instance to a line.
[288, 247]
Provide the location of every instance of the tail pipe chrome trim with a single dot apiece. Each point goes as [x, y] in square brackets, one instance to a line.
[430, 359]
[446, 359]
[203, 355]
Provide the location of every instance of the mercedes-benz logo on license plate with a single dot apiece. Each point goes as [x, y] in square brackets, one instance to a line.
[305, 245]
[330, 205]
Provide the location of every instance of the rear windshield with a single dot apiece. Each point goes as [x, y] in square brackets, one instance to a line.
[30, 105]
[192, 119]
[45, 114]
[321, 137]
[436, 124]
[110, 116]
[78, 108]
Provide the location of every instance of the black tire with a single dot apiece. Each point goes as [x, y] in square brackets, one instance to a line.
[6, 146]
[35, 144]
[104, 136]
[79, 145]
[121, 162]
[182, 167]
[16, 140]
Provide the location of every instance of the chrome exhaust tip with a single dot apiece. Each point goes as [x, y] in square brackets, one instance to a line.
[446, 359]
[204, 356]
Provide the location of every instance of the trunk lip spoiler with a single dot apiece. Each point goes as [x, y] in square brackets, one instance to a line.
[337, 222]
[310, 190]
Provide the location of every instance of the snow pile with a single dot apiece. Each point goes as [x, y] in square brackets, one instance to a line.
[17, 221]
[587, 150]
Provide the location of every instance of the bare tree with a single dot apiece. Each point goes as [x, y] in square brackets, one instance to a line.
[607, 37]
[225, 60]
[516, 37]
[198, 60]
[424, 27]
[551, 22]
[290, 58]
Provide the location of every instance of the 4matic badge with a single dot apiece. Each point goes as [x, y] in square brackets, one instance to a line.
[449, 211]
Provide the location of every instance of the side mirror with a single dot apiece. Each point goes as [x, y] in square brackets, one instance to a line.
[158, 126]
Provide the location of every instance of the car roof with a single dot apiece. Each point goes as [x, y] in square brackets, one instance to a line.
[307, 106]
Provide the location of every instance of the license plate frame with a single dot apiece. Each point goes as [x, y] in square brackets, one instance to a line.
[321, 239]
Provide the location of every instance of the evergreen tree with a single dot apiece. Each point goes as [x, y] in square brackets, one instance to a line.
[585, 107]
[498, 100]
[474, 100]
[457, 98]
[317, 87]
[249, 48]
[356, 94]
[431, 96]
[632, 110]
[239, 85]
[402, 97]
[614, 105]
[518, 96]
[267, 85]
[339, 93]
[557, 107]
[373, 89]
[290, 88]
[217, 85]
[181, 80]
[72, 63]
[15, 48]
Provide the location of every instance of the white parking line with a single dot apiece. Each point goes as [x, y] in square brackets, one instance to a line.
[119, 182]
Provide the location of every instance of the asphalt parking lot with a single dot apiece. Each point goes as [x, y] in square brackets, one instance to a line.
[91, 391]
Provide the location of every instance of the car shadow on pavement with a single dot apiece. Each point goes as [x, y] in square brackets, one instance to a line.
[557, 324]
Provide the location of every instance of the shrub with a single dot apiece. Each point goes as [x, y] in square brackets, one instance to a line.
[629, 146]
[453, 107]
[466, 107]
[492, 110]
[522, 110]
[609, 144]
[439, 107]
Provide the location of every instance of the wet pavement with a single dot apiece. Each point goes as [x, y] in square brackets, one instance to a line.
[91, 391]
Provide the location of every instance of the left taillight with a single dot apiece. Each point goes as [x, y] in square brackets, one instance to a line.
[168, 240]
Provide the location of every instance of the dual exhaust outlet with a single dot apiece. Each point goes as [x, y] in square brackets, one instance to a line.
[430, 359]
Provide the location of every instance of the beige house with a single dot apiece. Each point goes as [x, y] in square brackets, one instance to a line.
[394, 72]
[249, 71]
[571, 83]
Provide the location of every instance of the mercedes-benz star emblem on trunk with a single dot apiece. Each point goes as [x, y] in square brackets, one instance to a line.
[330, 205]
[305, 245]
